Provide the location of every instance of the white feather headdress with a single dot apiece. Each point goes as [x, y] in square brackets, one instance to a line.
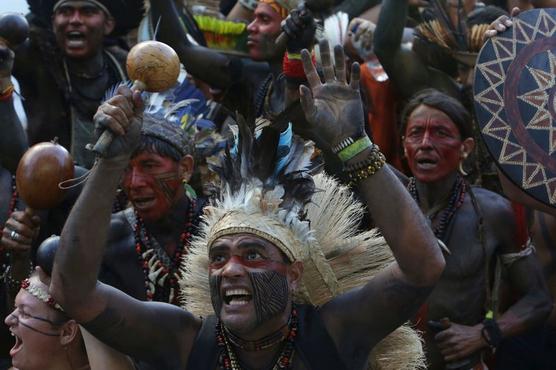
[318, 226]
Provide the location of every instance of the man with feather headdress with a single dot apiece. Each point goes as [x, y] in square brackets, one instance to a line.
[278, 256]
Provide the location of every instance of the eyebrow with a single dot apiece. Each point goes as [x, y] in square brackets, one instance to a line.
[247, 244]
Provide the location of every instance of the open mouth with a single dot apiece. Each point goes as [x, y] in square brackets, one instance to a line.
[426, 163]
[237, 297]
[75, 39]
[17, 346]
[143, 202]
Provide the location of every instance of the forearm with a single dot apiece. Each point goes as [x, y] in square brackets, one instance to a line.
[404, 227]
[535, 303]
[354, 8]
[389, 29]
[13, 141]
[84, 236]
[204, 63]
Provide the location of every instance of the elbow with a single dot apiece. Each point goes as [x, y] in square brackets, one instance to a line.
[435, 268]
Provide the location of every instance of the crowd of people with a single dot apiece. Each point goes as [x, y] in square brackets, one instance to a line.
[312, 193]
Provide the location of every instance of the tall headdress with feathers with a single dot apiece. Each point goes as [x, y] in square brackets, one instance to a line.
[462, 42]
[267, 191]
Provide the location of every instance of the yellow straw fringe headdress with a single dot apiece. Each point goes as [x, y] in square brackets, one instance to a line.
[335, 255]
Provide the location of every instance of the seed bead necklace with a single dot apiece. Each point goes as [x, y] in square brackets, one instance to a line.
[162, 272]
[457, 196]
[229, 361]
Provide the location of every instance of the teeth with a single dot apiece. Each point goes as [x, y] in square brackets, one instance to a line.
[236, 292]
[237, 302]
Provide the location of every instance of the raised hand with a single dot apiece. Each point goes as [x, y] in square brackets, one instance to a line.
[333, 110]
[123, 115]
[300, 28]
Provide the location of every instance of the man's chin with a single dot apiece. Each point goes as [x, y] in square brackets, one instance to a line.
[239, 324]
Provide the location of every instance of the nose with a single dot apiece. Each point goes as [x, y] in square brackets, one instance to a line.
[233, 268]
[136, 179]
[11, 319]
[251, 27]
[426, 140]
[75, 16]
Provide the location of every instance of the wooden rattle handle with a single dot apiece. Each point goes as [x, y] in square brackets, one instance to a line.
[104, 141]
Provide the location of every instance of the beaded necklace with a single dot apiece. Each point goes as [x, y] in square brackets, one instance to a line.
[457, 196]
[229, 361]
[162, 271]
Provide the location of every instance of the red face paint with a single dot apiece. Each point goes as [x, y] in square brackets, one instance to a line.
[152, 184]
[432, 144]
[265, 264]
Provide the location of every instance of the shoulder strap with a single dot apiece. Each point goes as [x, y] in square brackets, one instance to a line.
[205, 352]
[314, 345]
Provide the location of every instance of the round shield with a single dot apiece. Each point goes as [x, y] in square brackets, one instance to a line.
[515, 102]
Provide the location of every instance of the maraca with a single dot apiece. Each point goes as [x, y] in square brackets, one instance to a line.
[39, 174]
[152, 66]
[14, 29]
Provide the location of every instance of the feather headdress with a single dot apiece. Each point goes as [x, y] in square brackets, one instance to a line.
[268, 192]
[461, 41]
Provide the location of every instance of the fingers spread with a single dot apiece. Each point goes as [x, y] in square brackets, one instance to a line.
[340, 63]
[310, 72]
[327, 68]
[307, 102]
[355, 76]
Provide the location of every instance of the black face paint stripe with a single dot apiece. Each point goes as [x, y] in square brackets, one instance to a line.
[270, 294]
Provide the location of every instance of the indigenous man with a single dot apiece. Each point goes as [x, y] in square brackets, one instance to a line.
[65, 72]
[148, 240]
[477, 226]
[253, 270]
[241, 79]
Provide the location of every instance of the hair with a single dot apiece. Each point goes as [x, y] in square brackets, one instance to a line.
[452, 107]
[155, 144]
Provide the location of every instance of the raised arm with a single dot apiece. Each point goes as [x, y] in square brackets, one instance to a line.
[150, 331]
[13, 141]
[214, 68]
[364, 316]
[403, 66]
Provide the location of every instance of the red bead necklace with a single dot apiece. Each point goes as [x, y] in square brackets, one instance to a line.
[229, 361]
[162, 274]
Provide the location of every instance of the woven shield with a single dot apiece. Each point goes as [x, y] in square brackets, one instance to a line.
[515, 102]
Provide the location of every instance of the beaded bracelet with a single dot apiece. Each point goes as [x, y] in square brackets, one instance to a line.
[375, 160]
[7, 92]
[365, 162]
[353, 148]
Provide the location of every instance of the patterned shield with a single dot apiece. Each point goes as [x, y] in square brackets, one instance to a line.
[515, 102]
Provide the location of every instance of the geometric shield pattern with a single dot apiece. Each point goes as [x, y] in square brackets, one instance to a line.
[515, 102]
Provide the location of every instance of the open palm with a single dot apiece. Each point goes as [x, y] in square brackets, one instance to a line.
[333, 109]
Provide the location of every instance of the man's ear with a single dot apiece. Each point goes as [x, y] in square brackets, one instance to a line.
[186, 167]
[70, 331]
[109, 25]
[295, 275]
[467, 147]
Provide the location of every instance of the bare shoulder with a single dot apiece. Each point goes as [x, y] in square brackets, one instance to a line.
[492, 204]
[499, 218]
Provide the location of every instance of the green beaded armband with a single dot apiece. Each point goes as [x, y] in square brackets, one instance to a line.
[357, 147]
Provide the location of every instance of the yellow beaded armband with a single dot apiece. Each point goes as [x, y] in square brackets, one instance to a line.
[374, 162]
